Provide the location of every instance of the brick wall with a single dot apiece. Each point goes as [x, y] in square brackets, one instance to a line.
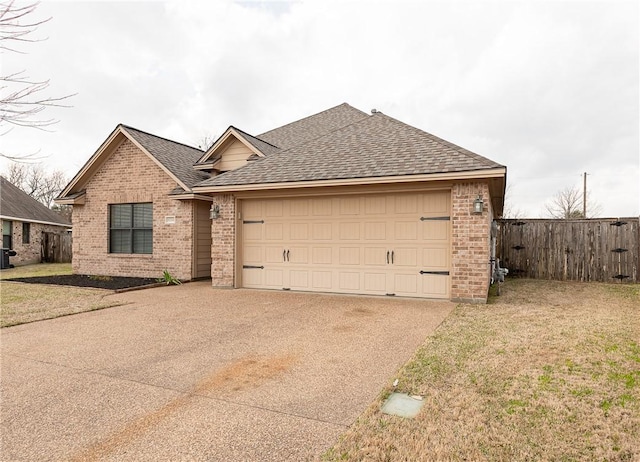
[223, 242]
[470, 245]
[32, 252]
[129, 176]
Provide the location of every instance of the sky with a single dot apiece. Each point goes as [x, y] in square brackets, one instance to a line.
[549, 89]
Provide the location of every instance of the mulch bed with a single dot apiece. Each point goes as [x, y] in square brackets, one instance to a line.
[81, 280]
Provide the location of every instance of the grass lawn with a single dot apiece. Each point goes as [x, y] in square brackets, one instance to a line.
[547, 371]
[22, 303]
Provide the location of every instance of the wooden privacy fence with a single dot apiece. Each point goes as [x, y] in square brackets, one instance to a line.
[605, 250]
[56, 247]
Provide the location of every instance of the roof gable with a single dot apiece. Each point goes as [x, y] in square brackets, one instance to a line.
[175, 159]
[232, 134]
[17, 204]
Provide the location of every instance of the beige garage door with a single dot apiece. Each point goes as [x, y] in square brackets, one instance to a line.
[393, 244]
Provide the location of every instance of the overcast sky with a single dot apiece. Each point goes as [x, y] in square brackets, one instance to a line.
[549, 89]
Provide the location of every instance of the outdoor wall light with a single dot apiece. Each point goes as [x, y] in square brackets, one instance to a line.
[478, 205]
[214, 211]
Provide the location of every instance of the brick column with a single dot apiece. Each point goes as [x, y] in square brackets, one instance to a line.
[223, 232]
[470, 266]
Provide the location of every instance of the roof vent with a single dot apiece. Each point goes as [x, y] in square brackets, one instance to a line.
[374, 111]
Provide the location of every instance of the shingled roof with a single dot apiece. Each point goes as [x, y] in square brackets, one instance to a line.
[16, 204]
[178, 158]
[372, 146]
[314, 126]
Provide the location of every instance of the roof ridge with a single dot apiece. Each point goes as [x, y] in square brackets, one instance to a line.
[365, 117]
[129, 127]
[252, 136]
[439, 140]
[310, 116]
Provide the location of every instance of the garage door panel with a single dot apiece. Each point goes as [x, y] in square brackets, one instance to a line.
[253, 278]
[252, 210]
[321, 280]
[435, 230]
[299, 208]
[321, 231]
[252, 232]
[322, 255]
[375, 282]
[406, 204]
[321, 207]
[406, 284]
[274, 231]
[349, 280]
[299, 231]
[274, 254]
[299, 279]
[375, 256]
[435, 285]
[435, 258]
[375, 205]
[406, 230]
[375, 231]
[349, 255]
[274, 209]
[253, 254]
[406, 257]
[298, 255]
[274, 278]
[349, 206]
[349, 231]
[434, 204]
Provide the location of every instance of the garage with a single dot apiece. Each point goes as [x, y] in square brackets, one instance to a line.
[375, 244]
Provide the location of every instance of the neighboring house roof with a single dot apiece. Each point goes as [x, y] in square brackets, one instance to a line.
[372, 146]
[17, 205]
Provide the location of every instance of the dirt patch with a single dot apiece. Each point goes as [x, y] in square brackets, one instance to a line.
[248, 372]
[81, 280]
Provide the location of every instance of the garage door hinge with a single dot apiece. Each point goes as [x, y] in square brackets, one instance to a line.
[390, 295]
[442, 273]
[250, 222]
[435, 218]
[252, 267]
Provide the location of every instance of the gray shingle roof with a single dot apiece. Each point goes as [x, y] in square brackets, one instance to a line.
[18, 204]
[314, 126]
[371, 146]
[178, 158]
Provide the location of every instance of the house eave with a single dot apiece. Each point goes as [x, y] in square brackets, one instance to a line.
[29, 220]
[458, 176]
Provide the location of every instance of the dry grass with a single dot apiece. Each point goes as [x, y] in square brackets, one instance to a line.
[40, 269]
[23, 303]
[547, 371]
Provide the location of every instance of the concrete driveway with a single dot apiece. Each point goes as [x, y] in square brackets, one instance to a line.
[192, 373]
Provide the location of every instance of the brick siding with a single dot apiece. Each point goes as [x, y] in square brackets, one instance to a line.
[470, 243]
[223, 234]
[129, 176]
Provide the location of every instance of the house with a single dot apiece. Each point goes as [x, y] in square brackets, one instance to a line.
[25, 222]
[341, 201]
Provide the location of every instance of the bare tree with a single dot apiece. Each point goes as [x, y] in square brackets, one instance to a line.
[509, 209]
[33, 179]
[568, 203]
[206, 142]
[22, 99]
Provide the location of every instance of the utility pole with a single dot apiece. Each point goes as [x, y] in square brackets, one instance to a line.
[584, 196]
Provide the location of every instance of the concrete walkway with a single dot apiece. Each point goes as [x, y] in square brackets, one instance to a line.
[192, 373]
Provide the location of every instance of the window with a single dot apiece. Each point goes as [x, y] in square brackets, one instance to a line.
[26, 232]
[131, 228]
[7, 242]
